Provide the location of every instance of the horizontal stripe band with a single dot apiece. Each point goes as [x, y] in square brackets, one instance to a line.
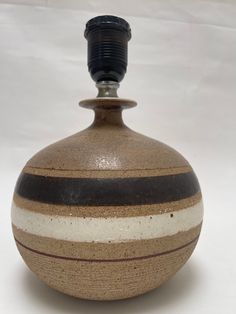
[106, 211]
[98, 250]
[107, 229]
[74, 173]
[110, 192]
[110, 260]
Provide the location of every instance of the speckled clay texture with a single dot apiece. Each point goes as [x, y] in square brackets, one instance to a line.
[106, 213]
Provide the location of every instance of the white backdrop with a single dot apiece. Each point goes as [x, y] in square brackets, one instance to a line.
[182, 72]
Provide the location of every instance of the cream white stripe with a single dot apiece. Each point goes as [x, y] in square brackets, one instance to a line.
[107, 229]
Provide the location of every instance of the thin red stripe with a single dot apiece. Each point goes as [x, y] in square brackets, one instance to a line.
[107, 260]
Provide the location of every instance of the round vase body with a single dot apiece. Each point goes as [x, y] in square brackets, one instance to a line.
[106, 213]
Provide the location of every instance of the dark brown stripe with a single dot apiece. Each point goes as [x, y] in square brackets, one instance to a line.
[106, 211]
[108, 260]
[107, 191]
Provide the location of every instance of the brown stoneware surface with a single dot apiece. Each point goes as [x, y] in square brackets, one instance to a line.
[106, 213]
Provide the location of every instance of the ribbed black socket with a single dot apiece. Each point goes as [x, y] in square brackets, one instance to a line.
[108, 38]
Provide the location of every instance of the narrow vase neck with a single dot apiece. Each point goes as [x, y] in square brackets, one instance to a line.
[108, 117]
[107, 106]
